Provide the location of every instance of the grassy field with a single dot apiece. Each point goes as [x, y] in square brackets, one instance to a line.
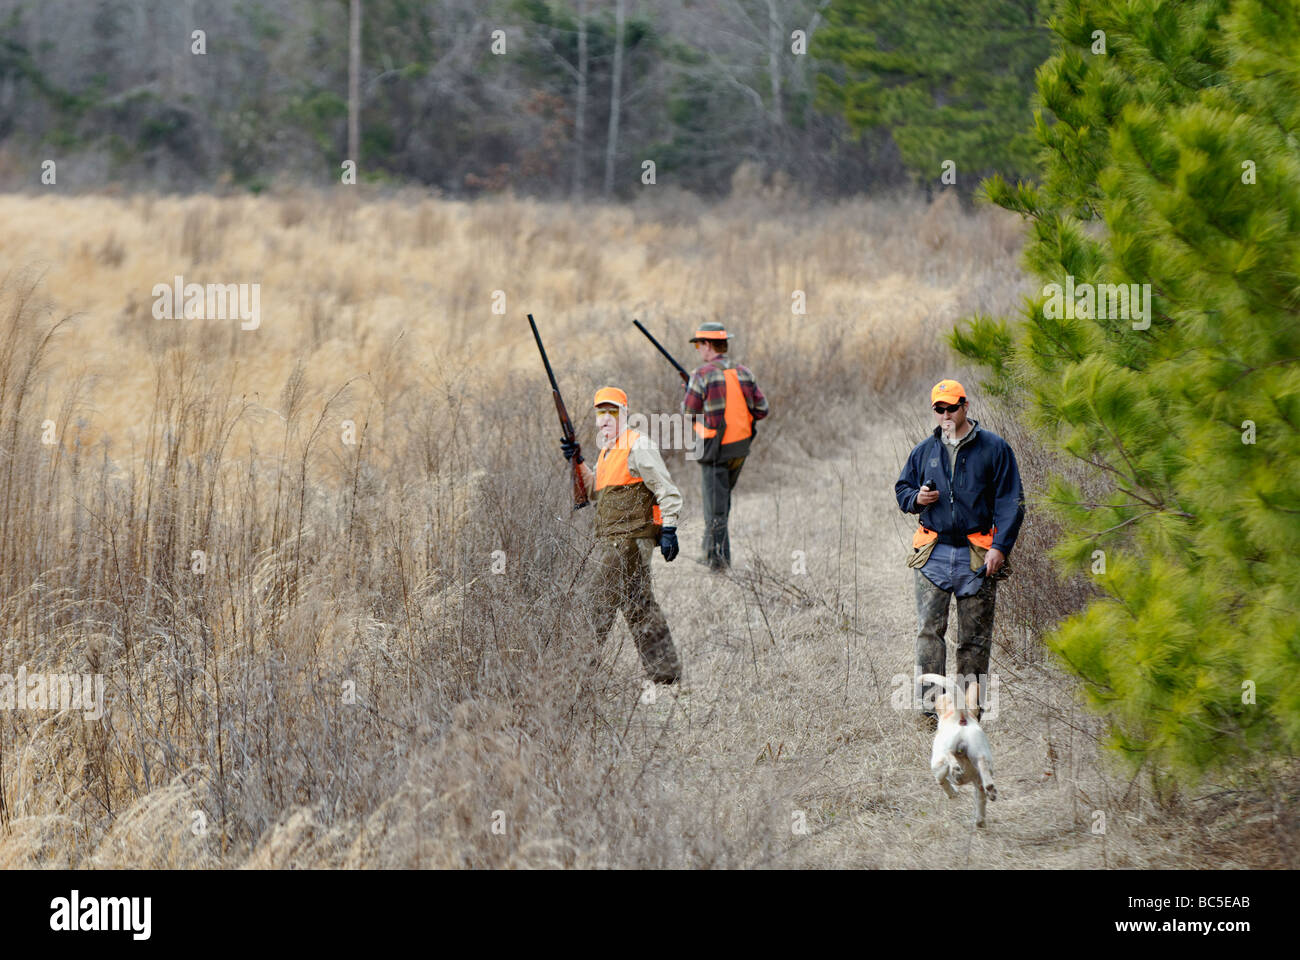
[347, 682]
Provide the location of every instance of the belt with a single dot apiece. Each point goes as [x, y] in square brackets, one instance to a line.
[958, 539]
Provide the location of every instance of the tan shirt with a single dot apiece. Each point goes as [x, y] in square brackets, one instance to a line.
[646, 462]
[956, 443]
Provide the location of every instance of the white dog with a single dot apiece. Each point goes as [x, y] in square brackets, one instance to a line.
[961, 751]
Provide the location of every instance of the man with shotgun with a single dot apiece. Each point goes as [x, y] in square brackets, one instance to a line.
[636, 507]
[727, 396]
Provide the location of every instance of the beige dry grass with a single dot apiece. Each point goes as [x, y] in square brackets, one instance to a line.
[230, 739]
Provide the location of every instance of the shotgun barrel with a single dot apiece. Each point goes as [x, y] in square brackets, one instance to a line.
[580, 498]
[686, 377]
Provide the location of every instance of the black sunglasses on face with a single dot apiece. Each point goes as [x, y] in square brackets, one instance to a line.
[941, 409]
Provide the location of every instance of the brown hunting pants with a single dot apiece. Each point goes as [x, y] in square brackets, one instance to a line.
[620, 580]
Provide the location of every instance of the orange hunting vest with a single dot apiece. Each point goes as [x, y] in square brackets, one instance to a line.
[924, 535]
[739, 421]
[625, 507]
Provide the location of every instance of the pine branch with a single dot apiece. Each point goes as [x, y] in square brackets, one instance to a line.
[1133, 519]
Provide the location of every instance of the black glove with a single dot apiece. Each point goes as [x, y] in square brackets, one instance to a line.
[668, 543]
[571, 450]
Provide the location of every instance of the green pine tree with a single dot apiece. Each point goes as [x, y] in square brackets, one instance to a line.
[1172, 162]
[950, 82]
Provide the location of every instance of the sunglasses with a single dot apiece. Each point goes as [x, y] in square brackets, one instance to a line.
[940, 408]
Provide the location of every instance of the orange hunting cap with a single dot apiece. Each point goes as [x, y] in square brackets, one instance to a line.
[610, 395]
[947, 391]
[711, 331]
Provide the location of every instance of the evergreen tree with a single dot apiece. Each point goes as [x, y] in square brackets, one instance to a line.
[949, 81]
[1172, 162]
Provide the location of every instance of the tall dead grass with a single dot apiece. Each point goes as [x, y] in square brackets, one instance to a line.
[346, 682]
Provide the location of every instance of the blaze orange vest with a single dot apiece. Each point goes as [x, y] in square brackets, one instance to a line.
[925, 535]
[625, 506]
[739, 421]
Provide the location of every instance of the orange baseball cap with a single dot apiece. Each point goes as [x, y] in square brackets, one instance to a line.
[610, 395]
[947, 391]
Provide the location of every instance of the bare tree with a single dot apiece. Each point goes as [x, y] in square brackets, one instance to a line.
[615, 97]
[774, 42]
[580, 113]
[354, 84]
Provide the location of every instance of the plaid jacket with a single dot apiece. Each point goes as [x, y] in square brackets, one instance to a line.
[707, 392]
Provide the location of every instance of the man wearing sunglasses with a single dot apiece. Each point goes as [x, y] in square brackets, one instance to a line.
[964, 483]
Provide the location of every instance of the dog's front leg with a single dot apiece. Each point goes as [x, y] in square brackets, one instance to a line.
[979, 804]
[956, 770]
[953, 778]
[943, 774]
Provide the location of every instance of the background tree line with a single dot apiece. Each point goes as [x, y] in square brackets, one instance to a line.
[586, 90]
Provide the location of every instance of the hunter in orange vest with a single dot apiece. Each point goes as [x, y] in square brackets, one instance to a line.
[724, 395]
[637, 507]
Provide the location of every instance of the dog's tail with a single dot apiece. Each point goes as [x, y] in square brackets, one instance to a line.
[944, 682]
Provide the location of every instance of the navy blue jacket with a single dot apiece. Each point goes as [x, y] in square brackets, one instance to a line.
[985, 491]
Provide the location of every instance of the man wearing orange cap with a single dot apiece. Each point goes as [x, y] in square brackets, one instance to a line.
[730, 401]
[964, 483]
[636, 507]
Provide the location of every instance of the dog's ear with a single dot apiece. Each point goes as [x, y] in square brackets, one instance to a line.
[972, 696]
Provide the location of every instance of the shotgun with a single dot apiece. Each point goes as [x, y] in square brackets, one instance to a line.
[579, 485]
[686, 377]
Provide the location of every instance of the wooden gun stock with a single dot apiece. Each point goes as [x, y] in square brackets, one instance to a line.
[580, 498]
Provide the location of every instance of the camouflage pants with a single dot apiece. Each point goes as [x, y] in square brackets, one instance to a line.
[620, 580]
[974, 631]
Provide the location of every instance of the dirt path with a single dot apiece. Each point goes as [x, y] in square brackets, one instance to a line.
[788, 713]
